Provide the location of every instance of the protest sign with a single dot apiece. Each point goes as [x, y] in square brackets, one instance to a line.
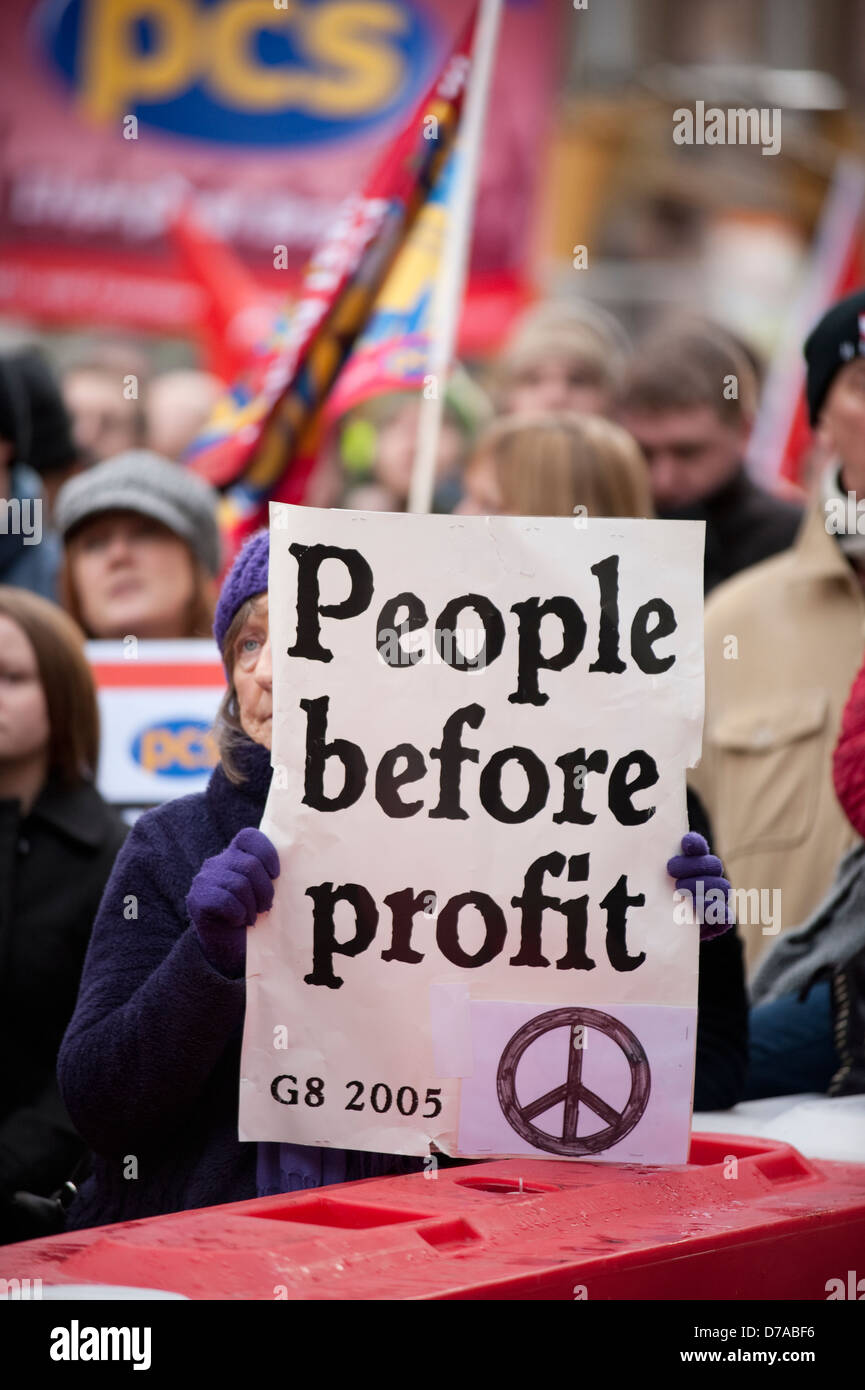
[481, 729]
[157, 703]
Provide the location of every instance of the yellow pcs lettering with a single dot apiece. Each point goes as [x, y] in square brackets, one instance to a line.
[348, 70]
[186, 749]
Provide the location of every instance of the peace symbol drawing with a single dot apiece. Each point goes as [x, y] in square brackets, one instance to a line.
[573, 1091]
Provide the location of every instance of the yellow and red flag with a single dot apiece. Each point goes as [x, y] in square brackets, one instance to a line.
[258, 444]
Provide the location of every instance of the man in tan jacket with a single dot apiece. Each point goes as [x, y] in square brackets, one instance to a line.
[784, 640]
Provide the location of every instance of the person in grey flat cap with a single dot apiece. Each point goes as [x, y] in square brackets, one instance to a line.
[141, 548]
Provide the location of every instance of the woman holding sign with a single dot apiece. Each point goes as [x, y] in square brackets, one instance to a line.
[150, 1064]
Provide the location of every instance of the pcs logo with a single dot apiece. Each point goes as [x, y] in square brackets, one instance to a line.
[241, 72]
[177, 748]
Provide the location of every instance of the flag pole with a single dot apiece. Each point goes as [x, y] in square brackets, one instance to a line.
[454, 266]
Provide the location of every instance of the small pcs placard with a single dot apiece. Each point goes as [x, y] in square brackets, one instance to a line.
[480, 738]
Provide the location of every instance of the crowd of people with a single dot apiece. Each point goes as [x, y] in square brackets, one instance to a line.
[122, 979]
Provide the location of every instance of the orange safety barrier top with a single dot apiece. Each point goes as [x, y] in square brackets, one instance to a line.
[744, 1219]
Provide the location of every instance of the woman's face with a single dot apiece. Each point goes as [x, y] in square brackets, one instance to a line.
[24, 727]
[557, 383]
[482, 495]
[252, 674]
[132, 576]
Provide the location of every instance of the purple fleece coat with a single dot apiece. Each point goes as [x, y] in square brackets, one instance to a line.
[149, 1067]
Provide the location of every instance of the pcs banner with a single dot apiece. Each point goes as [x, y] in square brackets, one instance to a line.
[257, 118]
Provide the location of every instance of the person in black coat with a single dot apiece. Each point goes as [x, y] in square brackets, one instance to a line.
[58, 841]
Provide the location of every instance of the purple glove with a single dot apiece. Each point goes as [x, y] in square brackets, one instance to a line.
[699, 872]
[227, 894]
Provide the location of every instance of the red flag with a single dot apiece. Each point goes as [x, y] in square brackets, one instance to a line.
[238, 316]
[781, 437]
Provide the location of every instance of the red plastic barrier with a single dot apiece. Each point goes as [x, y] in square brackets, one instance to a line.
[745, 1218]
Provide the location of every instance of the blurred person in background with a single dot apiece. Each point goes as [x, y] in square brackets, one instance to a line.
[326, 484]
[141, 549]
[107, 408]
[29, 554]
[58, 841]
[549, 465]
[177, 407]
[563, 356]
[689, 398]
[783, 642]
[378, 444]
[53, 452]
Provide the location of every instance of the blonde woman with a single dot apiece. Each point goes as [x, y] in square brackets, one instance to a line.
[548, 465]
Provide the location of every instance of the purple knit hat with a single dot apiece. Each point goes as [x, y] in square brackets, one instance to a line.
[246, 578]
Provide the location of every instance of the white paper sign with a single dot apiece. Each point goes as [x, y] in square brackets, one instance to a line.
[480, 737]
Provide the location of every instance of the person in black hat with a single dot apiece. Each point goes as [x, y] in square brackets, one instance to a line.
[783, 643]
[835, 353]
[836, 342]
